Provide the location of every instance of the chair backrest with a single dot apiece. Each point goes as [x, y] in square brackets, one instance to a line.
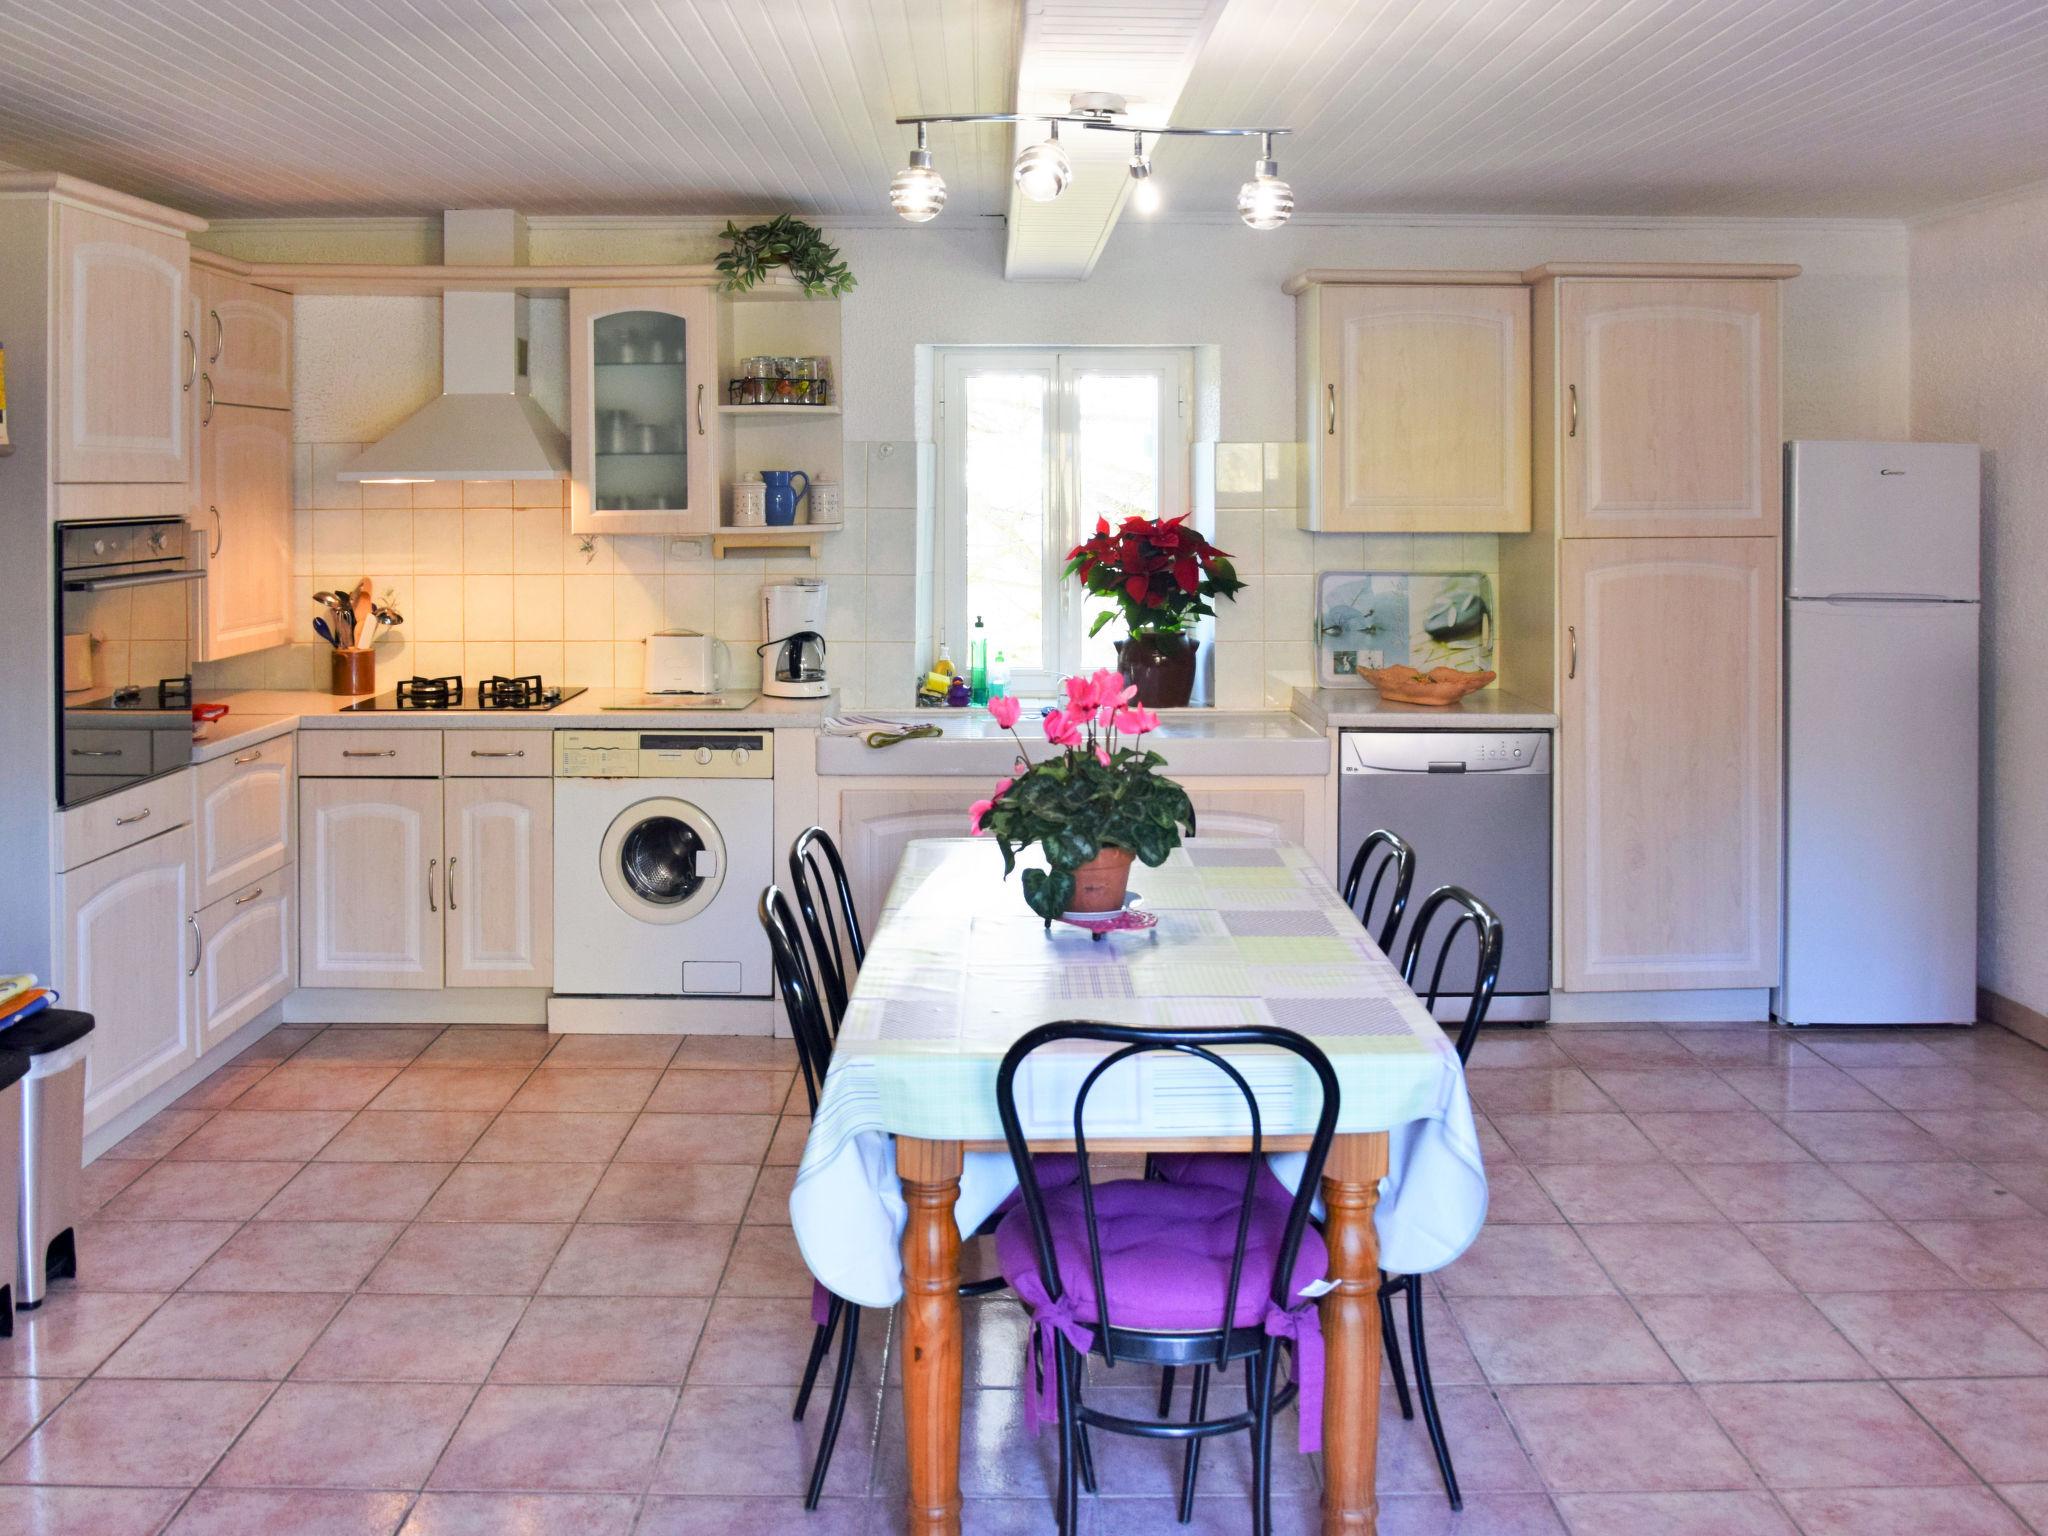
[1203, 1044]
[799, 988]
[835, 935]
[1388, 854]
[1486, 931]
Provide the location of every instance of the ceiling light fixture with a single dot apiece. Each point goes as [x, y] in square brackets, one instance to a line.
[1043, 171]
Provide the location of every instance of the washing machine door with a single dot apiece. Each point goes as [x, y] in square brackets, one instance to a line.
[662, 860]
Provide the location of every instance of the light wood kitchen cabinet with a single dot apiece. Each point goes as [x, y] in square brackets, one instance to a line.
[243, 520]
[500, 884]
[245, 340]
[875, 825]
[1663, 409]
[125, 359]
[644, 394]
[1416, 406]
[1668, 843]
[246, 821]
[248, 955]
[370, 883]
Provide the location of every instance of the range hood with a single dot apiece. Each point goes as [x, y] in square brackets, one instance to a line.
[484, 425]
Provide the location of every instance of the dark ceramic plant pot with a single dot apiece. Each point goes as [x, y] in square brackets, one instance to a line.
[1160, 667]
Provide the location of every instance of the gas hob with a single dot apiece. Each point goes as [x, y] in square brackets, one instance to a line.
[442, 695]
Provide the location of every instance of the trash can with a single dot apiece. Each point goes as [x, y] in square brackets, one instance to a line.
[51, 1140]
[13, 1068]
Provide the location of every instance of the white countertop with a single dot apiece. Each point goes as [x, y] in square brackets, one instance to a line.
[1491, 709]
[1193, 741]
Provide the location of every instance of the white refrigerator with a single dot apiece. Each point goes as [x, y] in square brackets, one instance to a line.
[1880, 733]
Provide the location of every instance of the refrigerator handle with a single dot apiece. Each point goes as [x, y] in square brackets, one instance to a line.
[1851, 598]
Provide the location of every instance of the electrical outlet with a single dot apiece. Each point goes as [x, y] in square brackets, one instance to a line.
[689, 549]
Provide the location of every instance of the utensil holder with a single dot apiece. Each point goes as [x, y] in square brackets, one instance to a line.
[354, 671]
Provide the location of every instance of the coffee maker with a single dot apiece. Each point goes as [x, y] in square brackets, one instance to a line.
[793, 636]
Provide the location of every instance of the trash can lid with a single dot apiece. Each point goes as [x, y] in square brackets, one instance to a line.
[13, 1068]
[41, 1033]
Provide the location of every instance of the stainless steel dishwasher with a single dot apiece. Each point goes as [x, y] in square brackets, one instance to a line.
[1475, 806]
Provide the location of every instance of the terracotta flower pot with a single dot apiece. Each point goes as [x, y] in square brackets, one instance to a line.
[1161, 667]
[1100, 884]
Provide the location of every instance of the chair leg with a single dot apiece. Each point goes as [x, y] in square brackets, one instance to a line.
[1192, 1460]
[1070, 1453]
[1084, 1450]
[1392, 1344]
[842, 1389]
[1426, 1390]
[1262, 1439]
[1165, 1390]
[821, 1341]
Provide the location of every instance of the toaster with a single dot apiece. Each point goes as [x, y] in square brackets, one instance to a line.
[683, 661]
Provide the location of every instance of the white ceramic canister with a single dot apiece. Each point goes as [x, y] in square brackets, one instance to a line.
[749, 504]
[823, 505]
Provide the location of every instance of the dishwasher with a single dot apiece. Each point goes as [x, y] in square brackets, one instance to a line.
[1475, 807]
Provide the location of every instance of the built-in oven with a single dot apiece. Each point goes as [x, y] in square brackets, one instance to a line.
[126, 635]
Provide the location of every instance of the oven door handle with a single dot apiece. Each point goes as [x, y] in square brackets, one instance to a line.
[140, 579]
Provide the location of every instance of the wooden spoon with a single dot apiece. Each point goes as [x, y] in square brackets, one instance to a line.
[361, 602]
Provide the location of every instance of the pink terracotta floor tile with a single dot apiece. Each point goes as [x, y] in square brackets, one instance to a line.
[754, 1342]
[2027, 1308]
[1935, 1191]
[698, 1139]
[1935, 1333]
[71, 1333]
[746, 1052]
[296, 1256]
[581, 1439]
[356, 1192]
[586, 1090]
[224, 1087]
[1917, 1088]
[2030, 1499]
[716, 1192]
[1485, 1514]
[613, 1051]
[299, 1512]
[99, 1182]
[1987, 1133]
[1674, 1514]
[2001, 1427]
[436, 1087]
[369, 1045]
[25, 1401]
[787, 1149]
[765, 1262]
[542, 1514]
[1525, 1339]
[2001, 1255]
[1774, 1090]
[1862, 1136]
[1745, 1048]
[143, 1255]
[1849, 1256]
[199, 1192]
[1526, 1261]
[305, 1084]
[1902, 1512]
[1514, 1198]
[259, 1135]
[1537, 1090]
[696, 1091]
[1575, 1138]
[741, 1440]
[1781, 1192]
[514, 1192]
[467, 1258]
[1594, 1439]
[279, 1045]
[609, 1341]
[487, 1046]
[1692, 1089]
[644, 1260]
[224, 1337]
[1751, 1338]
[551, 1139]
[1682, 1259]
[2027, 1180]
[87, 1511]
[832, 1517]
[1599, 1193]
[1733, 1136]
[342, 1435]
[159, 1134]
[1628, 1050]
[1857, 1049]
[1826, 1434]
[407, 1136]
[769, 1204]
[413, 1338]
[136, 1434]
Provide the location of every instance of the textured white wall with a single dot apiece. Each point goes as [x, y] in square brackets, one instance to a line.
[1980, 374]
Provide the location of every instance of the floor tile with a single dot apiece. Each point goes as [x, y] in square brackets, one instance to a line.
[413, 1338]
[769, 1204]
[613, 1051]
[542, 1514]
[25, 1401]
[225, 1337]
[473, 1046]
[2027, 1180]
[2001, 1427]
[199, 1192]
[514, 1192]
[1824, 1434]
[585, 1090]
[1485, 1514]
[741, 1440]
[1936, 1088]
[787, 1149]
[305, 1084]
[1934, 1333]
[467, 1259]
[1537, 1090]
[765, 1262]
[1575, 1138]
[1525, 1261]
[368, 1045]
[1513, 1197]
[558, 1439]
[298, 1512]
[356, 1192]
[1627, 1049]
[1691, 1089]
[428, 1086]
[672, 1192]
[280, 1044]
[608, 1341]
[71, 1333]
[1774, 1090]
[1682, 1259]
[99, 1182]
[2031, 1500]
[1986, 1133]
[832, 1517]
[643, 1260]
[345, 1435]
[1599, 1193]
[551, 1139]
[1935, 1191]
[764, 1342]
[1751, 1338]
[735, 1051]
[1593, 1439]
[407, 1136]
[1674, 1514]
[87, 1511]
[2027, 1308]
[696, 1091]
[2003, 1255]
[1781, 1192]
[1524, 1339]
[1859, 1049]
[143, 1255]
[1725, 1049]
[259, 1135]
[1849, 1256]
[296, 1256]
[136, 1434]
[1862, 1136]
[1902, 1512]
[697, 1139]
[1733, 1136]
[160, 1133]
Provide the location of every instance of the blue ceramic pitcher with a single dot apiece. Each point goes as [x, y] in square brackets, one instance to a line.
[782, 497]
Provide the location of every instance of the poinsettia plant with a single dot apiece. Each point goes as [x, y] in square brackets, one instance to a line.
[1102, 791]
[1160, 573]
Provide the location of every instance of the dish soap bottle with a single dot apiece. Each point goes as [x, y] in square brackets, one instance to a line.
[977, 664]
[999, 677]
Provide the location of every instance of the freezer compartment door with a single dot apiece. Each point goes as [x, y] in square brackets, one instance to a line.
[1881, 814]
[1882, 520]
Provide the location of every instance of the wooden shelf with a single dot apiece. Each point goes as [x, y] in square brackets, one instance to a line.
[798, 412]
[791, 539]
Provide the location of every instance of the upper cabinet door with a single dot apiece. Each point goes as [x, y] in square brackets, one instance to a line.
[643, 411]
[245, 340]
[1421, 420]
[244, 518]
[126, 359]
[1667, 414]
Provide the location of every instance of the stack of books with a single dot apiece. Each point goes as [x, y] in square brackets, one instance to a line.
[20, 998]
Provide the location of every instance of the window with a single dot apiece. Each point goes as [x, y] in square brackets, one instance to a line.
[1034, 445]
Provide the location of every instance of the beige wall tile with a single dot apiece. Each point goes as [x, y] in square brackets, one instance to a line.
[538, 658]
[1245, 617]
[636, 604]
[539, 539]
[486, 608]
[490, 658]
[437, 493]
[487, 493]
[537, 608]
[892, 474]
[1289, 606]
[387, 539]
[846, 612]
[1282, 474]
[1240, 675]
[892, 541]
[1286, 547]
[486, 539]
[433, 608]
[437, 540]
[588, 662]
[541, 493]
[892, 609]
[1240, 474]
[587, 606]
[629, 664]
[328, 491]
[1240, 533]
[686, 601]
[337, 546]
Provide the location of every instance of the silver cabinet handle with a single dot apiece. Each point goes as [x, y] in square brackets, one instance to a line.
[219, 533]
[387, 752]
[250, 757]
[1330, 412]
[191, 360]
[451, 882]
[431, 865]
[243, 901]
[98, 752]
[206, 407]
[198, 944]
[700, 410]
[1572, 393]
[517, 752]
[1572, 634]
[129, 821]
[220, 336]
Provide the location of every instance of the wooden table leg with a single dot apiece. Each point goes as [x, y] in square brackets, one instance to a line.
[932, 1349]
[1351, 1336]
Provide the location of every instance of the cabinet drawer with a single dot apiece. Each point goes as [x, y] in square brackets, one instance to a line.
[370, 754]
[120, 820]
[248, 954]
[497, 754]
[245, 818]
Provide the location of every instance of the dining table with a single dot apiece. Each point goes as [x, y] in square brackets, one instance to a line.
[905, 1157]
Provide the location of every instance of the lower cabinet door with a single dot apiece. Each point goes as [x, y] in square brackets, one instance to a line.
[370, 883]
[248, 954]
[500, 882]
[129, 947]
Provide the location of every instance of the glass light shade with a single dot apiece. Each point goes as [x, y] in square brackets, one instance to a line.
[1145, 197]
[1265, 202]
[1043, 170]
[918, 192]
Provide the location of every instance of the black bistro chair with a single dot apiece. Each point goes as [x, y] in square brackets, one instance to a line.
[1387, 854]
[836, 942]
[1155, 1273]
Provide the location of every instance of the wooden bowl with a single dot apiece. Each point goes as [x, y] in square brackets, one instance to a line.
[1405, 685]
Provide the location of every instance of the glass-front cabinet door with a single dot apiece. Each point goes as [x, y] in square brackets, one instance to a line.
[644, 409]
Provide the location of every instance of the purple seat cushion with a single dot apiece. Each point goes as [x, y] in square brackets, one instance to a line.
[1166, 1251]
[1217, 1170]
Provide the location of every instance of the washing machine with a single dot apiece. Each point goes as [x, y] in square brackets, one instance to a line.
[663, 843]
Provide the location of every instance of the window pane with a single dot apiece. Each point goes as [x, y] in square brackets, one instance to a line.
[1117, 459]
[1006, 513]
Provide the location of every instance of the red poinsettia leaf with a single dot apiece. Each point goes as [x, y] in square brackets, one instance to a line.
[1186, 575]
[1136, 587]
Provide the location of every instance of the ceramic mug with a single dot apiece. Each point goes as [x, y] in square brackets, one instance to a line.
[782, 498]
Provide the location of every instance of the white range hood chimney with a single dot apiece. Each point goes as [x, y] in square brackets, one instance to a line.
[484, 425]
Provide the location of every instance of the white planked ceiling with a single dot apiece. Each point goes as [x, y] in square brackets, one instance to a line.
[1722, 107]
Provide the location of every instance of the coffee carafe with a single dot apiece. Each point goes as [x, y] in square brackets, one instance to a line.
[793, 639]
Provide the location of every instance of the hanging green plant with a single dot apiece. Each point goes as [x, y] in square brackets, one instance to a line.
[784, 241]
